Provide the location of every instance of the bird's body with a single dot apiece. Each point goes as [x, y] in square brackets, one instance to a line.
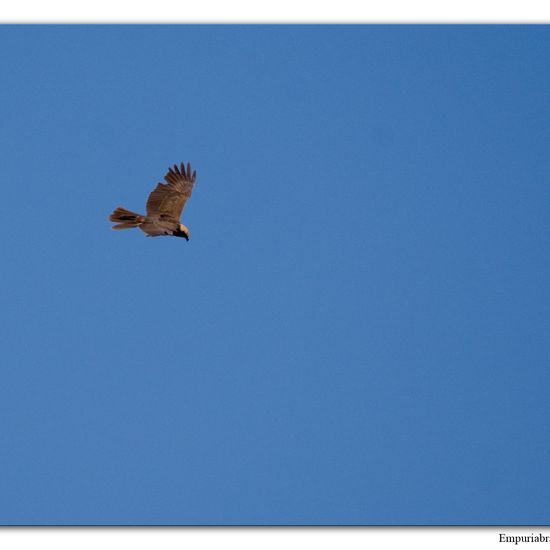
[164, 206]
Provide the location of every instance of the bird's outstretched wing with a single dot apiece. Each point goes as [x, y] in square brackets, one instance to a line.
[168, 199]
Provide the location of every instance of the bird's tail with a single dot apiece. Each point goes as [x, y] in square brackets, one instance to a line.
[125, 219]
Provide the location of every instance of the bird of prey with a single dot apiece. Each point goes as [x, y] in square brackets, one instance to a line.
[164, 206]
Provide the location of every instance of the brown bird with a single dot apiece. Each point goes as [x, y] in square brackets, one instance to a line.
[164, 206]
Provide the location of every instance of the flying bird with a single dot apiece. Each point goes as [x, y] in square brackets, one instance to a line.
[164, 206]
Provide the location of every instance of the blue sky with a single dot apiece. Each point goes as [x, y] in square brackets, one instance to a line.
[357, 331]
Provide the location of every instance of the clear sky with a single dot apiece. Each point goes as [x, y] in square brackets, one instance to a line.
[357, 330]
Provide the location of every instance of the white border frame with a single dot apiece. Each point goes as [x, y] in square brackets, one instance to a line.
[275, 11]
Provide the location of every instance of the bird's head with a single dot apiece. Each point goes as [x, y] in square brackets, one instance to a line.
[183, 232]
